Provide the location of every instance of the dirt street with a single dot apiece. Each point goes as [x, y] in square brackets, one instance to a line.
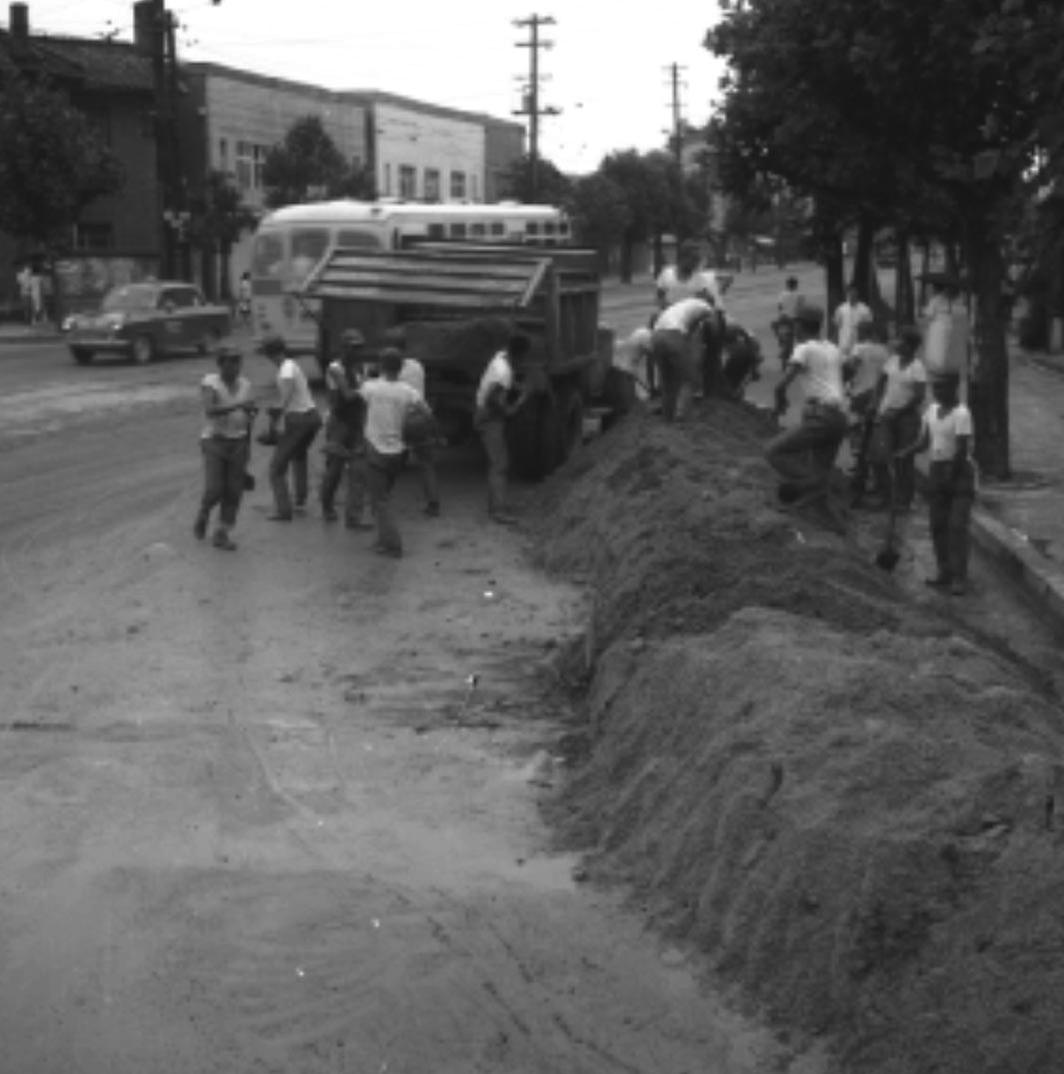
[254, 816]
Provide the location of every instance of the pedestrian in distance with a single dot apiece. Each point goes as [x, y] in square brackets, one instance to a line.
[423, 453]
[848, 316]
[229, 411]
[787, 306]
[243, 299]
[902, 390]
[496, 403]
[389, 404]
[946, 432]
[300, 423]
[672, 354]
[804, 456]
[944, 321]
[864, 372]
[345, 449]
[24, 276]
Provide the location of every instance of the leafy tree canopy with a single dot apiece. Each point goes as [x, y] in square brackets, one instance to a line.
[53, 165]
[551, 186]
[308, 166]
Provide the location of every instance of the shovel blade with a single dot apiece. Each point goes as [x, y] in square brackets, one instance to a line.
[887, 559]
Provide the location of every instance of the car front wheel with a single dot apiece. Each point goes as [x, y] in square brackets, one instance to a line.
[81, 355]
[143, 350]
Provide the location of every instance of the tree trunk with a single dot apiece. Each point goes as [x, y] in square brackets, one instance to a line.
[864, 260]
[627, 251]
[904, 311]
[988, 386]
[834, 271]
[225, 290]
[659, 254]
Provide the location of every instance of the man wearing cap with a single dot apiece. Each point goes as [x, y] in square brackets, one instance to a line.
[902, 388]
[848, 316]
[229, 409]
[423, 453]
[300, 424]
[343, 433]
[804, 456]
[672, 353]
[945, 328]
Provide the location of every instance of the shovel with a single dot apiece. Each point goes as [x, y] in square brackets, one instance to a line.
[249, 477]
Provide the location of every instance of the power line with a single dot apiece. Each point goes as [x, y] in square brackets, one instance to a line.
[676, 110]
[530, 105]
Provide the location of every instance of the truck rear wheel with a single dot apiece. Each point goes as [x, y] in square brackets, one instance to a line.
[534, 439]
[571, 421]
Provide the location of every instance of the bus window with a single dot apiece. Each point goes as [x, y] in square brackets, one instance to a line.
[267, 258]
[498, 229]
[478, 230]
[365, 240]
[308, 248]
[458, 231]
[437, 231]
[548, 229]
[531, 228]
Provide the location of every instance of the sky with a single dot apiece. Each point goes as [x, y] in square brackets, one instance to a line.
[607, 72]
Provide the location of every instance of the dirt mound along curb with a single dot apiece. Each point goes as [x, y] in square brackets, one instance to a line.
[837, 798]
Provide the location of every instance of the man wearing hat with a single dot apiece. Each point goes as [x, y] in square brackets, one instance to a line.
[804, 456]
[902, 389]
[229, 409]
[300, 424]
[343, 433]
[945, 328]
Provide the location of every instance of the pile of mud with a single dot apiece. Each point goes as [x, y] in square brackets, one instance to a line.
[845, 803]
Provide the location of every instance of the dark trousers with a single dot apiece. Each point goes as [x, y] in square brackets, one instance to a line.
[805, 455]
[670, 352]
[949, 497]
[493, 436]
[291, 450]
[896, 431]
[383, 471]
[424, 458]
[224, 464]
[709, 342]
[862, 442]
[344, 450]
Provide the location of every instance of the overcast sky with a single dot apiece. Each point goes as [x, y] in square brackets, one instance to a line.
[607, 69]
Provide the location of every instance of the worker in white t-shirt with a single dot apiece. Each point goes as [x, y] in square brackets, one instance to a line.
[388, 403]
[864, 370]
[945, 328]
[494, 407]
[804, 456]
[673, 356]
[300, 422]
[344, 447]
[848, 316]
[946, 432]
[422, 454]
[902, 390]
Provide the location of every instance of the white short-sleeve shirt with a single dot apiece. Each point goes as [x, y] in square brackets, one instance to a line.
[500, 372]
[943, 430]
[847, 318]
[699, 284]
[387, 404]
[683, 315]
[413, 373]
[902, 383]
[292, 383]
[821, 364]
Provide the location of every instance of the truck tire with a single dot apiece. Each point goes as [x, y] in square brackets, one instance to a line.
[618, 394]
[81, 355]
[534, 439]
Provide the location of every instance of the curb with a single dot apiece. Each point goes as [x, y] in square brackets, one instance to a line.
[29, 340]
[1011, 549]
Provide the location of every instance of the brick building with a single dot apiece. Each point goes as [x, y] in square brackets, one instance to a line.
[112, 83]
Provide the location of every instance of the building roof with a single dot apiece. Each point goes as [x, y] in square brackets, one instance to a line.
[358, 97]
[94, 64]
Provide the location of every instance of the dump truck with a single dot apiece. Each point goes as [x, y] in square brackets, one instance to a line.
[458, 304]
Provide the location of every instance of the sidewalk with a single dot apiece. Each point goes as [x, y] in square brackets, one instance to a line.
[1021, 523]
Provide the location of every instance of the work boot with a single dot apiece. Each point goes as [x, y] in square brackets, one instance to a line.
[199, 527]
[224, 541]
[329, 513]
[432, 509]
[957, 588]
[280, 516]
[504, 518]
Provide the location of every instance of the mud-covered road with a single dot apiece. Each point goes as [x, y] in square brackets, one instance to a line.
[254, 816]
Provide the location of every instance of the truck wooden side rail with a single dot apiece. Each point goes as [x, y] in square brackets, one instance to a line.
[458, 304]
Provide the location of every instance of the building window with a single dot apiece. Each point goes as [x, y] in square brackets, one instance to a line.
[432, 184]
[407, 182]
[223, 155]
[245, 165]
[94, 237]
[387, 180]
[458, 187]
[476, 192]
[258, 159]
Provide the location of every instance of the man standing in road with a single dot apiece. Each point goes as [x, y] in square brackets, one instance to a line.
[388, 403]
[848, 316]
[300, 424]
[229, 410]
[493, 408]
[902, 388]
[672, 354]
[804, 456]
[787, 306]
[423, 453]
[344, 447]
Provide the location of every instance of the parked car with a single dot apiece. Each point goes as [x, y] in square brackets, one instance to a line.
[145, 320]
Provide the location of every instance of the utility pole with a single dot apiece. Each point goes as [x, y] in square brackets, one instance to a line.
[531, 106]
[676, 136]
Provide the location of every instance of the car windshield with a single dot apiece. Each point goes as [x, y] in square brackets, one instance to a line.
[130, 297]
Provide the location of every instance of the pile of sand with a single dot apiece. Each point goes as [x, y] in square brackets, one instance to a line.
[840, 800]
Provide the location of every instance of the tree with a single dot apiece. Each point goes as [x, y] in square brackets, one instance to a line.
[887, 110]
[643, 178]
[218, 217]
[600, 212]
[307, 166]
[550, 187]
[53, 165]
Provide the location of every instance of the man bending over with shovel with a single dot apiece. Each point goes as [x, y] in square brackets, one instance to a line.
[804, 456]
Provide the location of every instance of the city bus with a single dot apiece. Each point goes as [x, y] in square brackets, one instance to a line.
[291, 241]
